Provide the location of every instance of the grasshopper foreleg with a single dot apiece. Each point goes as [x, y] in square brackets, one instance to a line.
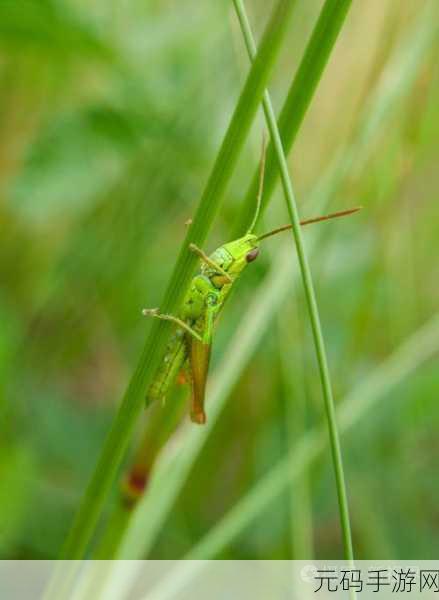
[203, 256]
[154, 312]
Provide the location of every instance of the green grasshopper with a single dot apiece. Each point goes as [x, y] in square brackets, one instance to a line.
[188, 352]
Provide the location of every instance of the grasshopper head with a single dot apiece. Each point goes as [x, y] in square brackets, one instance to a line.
[234, 257]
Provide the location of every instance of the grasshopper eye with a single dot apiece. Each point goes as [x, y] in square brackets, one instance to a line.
[252, 255]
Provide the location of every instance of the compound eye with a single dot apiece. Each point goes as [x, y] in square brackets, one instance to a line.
[252, 255]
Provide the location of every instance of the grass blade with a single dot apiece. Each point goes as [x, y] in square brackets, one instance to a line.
[133, 400]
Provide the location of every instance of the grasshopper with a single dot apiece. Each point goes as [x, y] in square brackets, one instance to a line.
[188, 352]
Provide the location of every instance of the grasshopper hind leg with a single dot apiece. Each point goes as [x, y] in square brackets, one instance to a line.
[185, 377]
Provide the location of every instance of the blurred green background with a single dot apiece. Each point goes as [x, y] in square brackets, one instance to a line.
[111, 116]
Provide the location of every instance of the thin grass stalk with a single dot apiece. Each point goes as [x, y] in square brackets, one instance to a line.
[133, 401]
[172, 472]
[300, 94]
[309, 295]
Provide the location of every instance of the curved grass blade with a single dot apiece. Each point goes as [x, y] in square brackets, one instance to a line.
[132, 403]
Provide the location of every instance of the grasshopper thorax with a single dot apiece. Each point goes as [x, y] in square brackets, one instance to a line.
[232, 258]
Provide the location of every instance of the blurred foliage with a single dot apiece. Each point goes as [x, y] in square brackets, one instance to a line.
[111, 114]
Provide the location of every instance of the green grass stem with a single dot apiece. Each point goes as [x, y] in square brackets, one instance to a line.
[133, 401]
[310, 296]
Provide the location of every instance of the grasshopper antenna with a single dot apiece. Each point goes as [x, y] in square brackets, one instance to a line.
[341, 213]
[261, 183]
